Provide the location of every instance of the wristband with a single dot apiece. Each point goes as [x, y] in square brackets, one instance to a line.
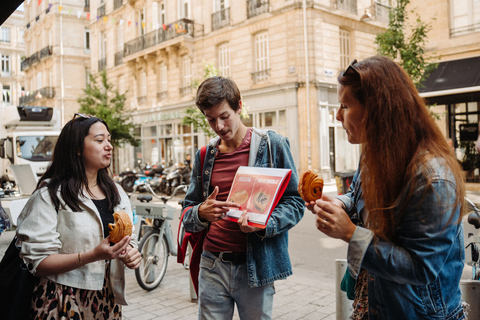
[80, 260]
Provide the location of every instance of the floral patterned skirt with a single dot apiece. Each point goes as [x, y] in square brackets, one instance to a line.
[55, 301]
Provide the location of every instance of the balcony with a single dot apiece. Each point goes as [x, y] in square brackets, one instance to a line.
[102, 64]
[101, 11]
[45, 52]
[260, 76]
[382, 12]
[28, 62]
[185, 91]
[221, 19]
[256, 7]
[117, 4]
[44, 93]
[118, 58]
[347, 5]
[173, 30]
[162, 95]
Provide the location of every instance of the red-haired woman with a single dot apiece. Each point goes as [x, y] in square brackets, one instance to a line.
[406, 251]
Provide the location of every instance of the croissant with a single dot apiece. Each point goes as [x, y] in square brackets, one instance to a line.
[310, 186]
[121, 228]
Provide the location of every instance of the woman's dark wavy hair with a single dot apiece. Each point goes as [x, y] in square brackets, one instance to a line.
[399, 136]
[67, 170]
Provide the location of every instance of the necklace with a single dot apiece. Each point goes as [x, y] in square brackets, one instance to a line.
[90, 187]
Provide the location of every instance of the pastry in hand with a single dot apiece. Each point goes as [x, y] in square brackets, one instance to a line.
[260, 200]
[239, 197]
[121, 228]
[310, 186]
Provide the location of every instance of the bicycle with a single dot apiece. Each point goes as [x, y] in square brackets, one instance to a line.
[157, 241]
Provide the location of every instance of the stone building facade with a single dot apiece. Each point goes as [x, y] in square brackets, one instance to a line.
[155, 51]
[11, 52]
[57, 54]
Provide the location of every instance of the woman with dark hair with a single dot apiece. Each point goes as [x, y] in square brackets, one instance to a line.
[63, 229]
[405, 248]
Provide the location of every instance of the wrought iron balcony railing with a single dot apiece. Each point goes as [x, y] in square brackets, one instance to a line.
[382, 12]
[45, 52]
[28, 62]
[221, 19]
[118, 58]
[256, 7]
[101, 10]
[102, 64]
[44, 93]
[117, 4]
[176, 29]
[347, 5]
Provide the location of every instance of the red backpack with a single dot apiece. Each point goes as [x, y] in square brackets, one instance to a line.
[194, 239]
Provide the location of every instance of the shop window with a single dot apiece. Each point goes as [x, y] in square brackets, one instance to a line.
[150, 131]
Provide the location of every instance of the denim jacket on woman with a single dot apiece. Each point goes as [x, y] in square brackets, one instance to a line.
[417, 274]
[267, 252]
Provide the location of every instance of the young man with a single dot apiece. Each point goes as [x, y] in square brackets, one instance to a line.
[239, 263]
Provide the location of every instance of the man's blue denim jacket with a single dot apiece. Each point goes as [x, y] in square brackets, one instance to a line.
[267, 252]
[417, 275]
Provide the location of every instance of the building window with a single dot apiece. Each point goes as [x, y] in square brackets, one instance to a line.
[187, 77]
[6, 94]
[465, 17]
[184, 8]
[262, 64]
[142, 25]
[344, 49]
[5, 64]
[5, 34]
[87, 40]
[163, 78]
[224, 60]
[163, 17]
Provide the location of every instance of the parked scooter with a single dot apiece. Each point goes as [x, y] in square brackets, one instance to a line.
[178, 176]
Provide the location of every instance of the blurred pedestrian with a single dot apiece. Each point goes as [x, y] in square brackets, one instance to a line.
[63, 229]
[407, 251]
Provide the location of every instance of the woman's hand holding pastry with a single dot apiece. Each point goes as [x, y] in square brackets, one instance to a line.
[332, 220]
[213, 210]
[131, 258]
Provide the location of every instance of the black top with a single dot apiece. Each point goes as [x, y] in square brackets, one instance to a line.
[105, 214]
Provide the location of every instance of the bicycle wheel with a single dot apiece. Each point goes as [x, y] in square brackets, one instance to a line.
[153, 266]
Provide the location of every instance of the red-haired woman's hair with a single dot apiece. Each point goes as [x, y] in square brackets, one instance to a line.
[399, 137]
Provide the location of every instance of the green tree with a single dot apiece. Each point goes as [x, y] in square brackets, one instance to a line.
[101, 100]
[408, 50]
[194, 116]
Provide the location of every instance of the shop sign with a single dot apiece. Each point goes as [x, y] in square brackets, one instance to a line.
[162, 116]
[468, 132]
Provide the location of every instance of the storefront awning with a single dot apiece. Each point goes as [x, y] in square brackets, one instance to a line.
[453, 82]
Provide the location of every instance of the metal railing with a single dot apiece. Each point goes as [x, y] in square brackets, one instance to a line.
[260, 76]
[102, 64]
[347, 5]
[46, 52]
[44, 93]
[176, 29]
[382, 12]
[162, 95]
[221, 19]
[28, 62]
[185, 91]
[256, 7]
[117, 4]
[118, 58]
[101, 10]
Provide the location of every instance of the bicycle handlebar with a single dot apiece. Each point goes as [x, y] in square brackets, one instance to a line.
[150, 190]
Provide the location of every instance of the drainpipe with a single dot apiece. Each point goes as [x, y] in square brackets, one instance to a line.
[307, 83]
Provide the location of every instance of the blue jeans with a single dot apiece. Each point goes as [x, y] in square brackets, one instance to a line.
[223, 284]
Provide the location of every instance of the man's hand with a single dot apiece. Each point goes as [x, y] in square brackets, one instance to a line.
[213, 210]
[243, 223]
